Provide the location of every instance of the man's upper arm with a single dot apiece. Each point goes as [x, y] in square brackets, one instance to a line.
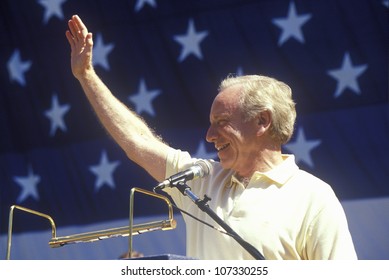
[151, 155]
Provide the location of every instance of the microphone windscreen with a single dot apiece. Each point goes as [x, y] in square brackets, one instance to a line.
[206, 167]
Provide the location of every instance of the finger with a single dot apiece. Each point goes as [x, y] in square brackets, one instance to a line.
[89, 42]
[80, 25]
[72, 28]
[70, 39]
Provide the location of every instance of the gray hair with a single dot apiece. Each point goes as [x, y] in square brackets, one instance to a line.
[261, 93]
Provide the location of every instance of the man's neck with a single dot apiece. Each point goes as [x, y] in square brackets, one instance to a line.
[264, 162]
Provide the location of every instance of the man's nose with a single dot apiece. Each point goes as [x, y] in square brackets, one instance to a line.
[211, 134]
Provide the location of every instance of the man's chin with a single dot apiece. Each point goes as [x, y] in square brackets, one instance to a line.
[225, 164]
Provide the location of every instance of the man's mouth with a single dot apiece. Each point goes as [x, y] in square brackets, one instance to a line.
[221, 148]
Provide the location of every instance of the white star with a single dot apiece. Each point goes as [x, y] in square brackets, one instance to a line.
[291, 26]
[56, 115]
[385, 3]
[104, 171]
[347, 76]
[302, 147]
[202, 152]
[143, 98]
[191, 42]
[29, 185]
[140, 4]
[52, 8]
[100, 52]
[17, 68]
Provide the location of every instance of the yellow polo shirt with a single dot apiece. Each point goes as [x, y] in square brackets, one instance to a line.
[285, 213]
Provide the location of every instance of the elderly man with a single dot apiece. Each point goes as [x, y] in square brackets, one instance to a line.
[284, 212]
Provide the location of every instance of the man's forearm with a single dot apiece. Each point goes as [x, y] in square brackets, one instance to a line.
[126, 127]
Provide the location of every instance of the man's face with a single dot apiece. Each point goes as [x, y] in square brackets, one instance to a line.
[234, 138]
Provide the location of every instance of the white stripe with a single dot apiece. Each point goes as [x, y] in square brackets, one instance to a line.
[368, 221]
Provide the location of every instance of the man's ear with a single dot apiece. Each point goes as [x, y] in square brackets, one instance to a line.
[263, 121]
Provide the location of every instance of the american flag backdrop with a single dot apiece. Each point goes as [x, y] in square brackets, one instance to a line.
[165, 59]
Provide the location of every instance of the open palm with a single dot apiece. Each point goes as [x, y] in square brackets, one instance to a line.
[81, 44]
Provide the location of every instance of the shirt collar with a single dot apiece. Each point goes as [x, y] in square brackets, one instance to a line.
[280, 174]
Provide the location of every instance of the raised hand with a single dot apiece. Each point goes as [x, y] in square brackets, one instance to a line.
[81, 44]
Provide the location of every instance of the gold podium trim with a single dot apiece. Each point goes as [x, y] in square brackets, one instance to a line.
[124, 231]
[10, 224]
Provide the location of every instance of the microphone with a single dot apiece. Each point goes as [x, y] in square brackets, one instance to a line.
[200, 169]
